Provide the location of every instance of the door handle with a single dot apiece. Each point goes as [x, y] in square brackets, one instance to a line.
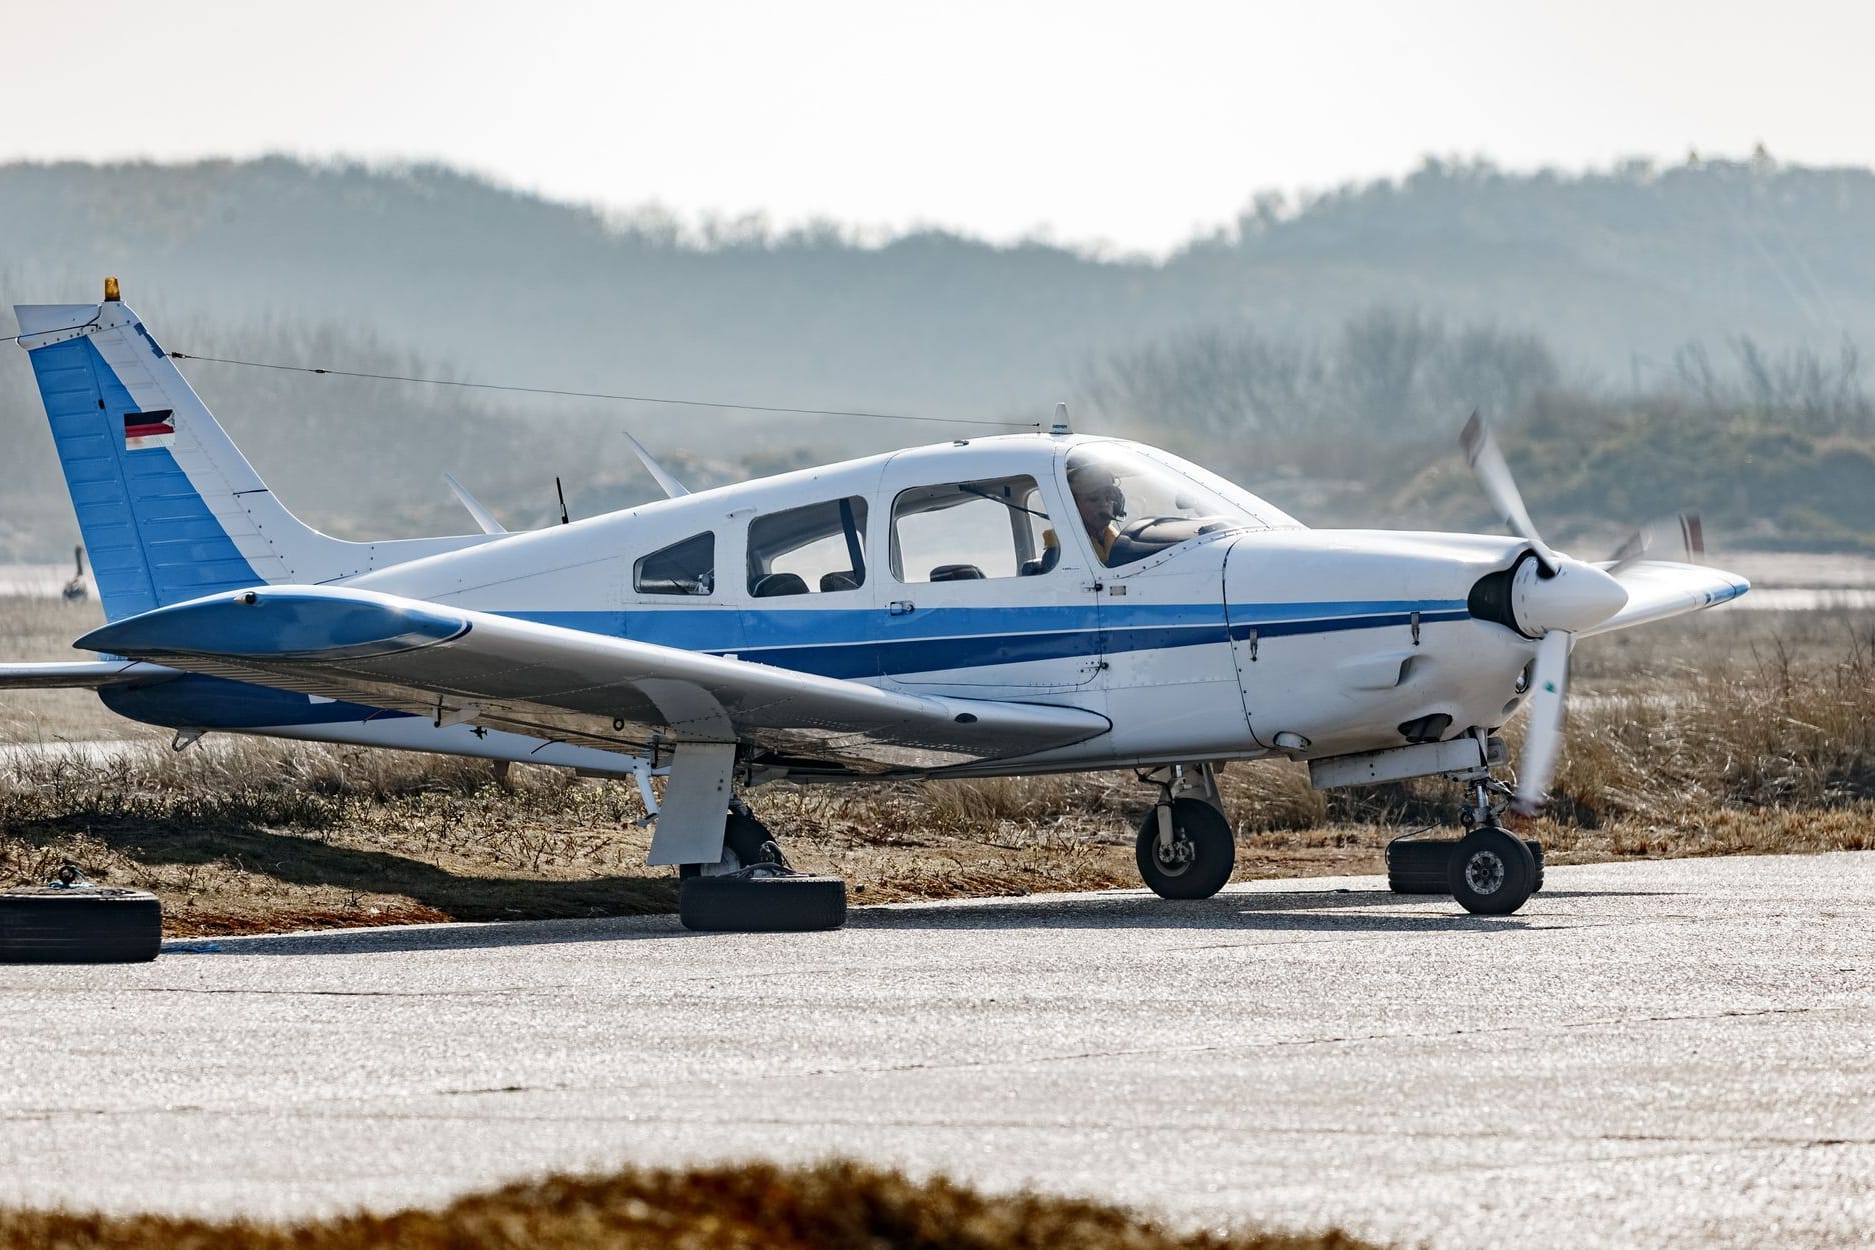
[899, 607]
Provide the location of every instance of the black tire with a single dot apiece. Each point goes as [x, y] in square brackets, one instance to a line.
[81, 925]
[1419, 865]
[761, 904]
[1204, 851]
[1492, 873]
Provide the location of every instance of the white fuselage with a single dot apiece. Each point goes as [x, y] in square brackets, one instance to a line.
[1261, 637]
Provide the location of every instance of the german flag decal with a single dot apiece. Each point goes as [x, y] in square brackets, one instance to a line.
[144, 430]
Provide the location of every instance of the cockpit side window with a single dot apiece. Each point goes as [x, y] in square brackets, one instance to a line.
[969, 531]
[1131, 506]
[684, 568]
[817, 549]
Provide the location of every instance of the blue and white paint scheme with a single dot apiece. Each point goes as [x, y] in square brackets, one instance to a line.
[964, 608]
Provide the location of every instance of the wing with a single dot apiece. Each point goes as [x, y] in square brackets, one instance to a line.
[457, 665]
[1658, 589]
[84, 675]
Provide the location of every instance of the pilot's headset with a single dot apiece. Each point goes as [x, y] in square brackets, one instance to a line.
[1090, 481]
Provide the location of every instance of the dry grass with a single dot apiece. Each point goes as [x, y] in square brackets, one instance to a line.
[245, 835]
[834, 1206]
[35, 629]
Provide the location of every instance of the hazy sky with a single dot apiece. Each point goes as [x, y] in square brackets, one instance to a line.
[1133, 125]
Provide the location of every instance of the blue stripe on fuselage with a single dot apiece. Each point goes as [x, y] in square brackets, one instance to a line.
[860, 643]
[829, 643]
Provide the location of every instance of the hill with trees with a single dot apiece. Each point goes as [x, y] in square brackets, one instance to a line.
[1327, 347]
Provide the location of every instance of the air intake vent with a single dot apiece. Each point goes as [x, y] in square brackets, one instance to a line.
[1427, 728]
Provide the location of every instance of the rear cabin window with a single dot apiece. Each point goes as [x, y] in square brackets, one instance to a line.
[968, 531]
[818, 549]
[685, 568]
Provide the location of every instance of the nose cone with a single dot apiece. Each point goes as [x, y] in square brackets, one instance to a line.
[1577, 597]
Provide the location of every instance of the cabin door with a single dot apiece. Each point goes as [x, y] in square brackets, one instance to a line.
[977, 591]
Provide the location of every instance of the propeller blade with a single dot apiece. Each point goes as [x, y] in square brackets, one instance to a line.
[672, 487]
[483, 517]
[1542, 742]
[1493, 474]
[1677, 538]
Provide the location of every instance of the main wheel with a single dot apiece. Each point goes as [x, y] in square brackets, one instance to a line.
[1199, 860]
[760, 903]
[1491, 873]
[79, 925]
[1419, 865]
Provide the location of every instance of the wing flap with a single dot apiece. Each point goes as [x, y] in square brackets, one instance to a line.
[461, 665]
[1658, 589]
[81, 675]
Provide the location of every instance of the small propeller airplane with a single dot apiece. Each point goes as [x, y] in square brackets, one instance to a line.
[1017, 604]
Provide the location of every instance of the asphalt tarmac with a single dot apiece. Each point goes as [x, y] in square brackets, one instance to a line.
[1656, 1054]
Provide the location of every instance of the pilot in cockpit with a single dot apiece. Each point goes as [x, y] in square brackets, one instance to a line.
[1101, 503]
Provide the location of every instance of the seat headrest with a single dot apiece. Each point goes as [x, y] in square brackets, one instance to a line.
[773, 584]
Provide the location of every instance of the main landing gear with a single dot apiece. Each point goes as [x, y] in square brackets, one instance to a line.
[752, 889]
[1490, 871]
[1185, 848]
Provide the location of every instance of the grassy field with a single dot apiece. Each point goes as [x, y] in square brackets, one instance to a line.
[1726, 732]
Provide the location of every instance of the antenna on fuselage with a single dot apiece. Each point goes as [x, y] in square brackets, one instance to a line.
[561, 491]
[1061, 425]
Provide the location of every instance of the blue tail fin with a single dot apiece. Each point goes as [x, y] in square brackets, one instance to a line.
[168, 506]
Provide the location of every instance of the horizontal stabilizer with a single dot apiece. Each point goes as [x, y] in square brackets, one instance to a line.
[454, 664]
[83, 675]
[1658, 589]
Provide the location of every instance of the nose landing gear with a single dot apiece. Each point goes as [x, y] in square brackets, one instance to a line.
[1489, 871]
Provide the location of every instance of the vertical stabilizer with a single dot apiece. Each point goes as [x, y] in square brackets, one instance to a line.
[168, 506]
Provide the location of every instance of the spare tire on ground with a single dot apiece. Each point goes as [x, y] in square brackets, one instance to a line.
[1417, 865]
[79, 924]
[760, 901]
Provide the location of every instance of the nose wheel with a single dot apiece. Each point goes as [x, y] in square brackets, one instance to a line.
[1491, 872]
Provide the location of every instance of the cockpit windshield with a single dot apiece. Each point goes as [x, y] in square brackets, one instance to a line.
[1134, 505]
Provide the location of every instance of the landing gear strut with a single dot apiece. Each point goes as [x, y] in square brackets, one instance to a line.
[1185, 848]
[752, 888]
